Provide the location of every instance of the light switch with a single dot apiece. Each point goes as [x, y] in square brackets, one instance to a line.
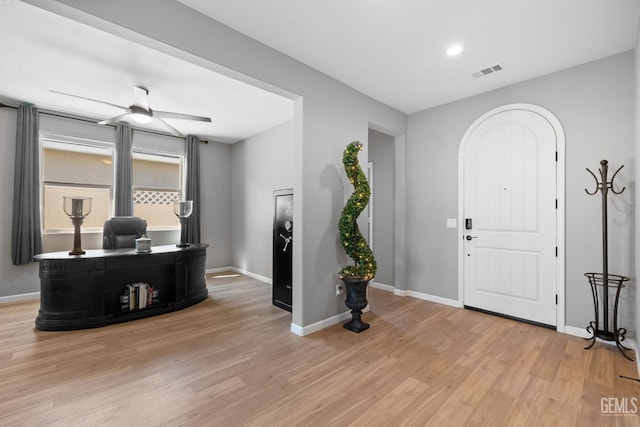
[452, 223]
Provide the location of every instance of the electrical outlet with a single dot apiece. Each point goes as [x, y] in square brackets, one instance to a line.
[339, 289]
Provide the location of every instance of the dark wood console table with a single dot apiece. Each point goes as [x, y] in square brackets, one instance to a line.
[91, 290]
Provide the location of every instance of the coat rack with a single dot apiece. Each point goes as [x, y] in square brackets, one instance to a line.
[604, 279]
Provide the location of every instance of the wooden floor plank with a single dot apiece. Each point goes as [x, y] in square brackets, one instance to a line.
[232, 361]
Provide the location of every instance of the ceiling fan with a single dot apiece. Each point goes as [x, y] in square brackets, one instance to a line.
[140, 111]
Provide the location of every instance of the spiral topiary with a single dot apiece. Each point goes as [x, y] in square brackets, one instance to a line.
[352, 240]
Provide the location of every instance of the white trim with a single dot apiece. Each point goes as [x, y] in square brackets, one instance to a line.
[370, 207]
[560, 195]
[434, 298]
[400, 292]
[315, 327]
[20, 297]
[241, 271]
[576, 332]
[415, 294]
[219, 270]
[381, 286]
[399, 214]
[253, 275]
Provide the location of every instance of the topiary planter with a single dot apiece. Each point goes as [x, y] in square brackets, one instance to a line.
[357, 275]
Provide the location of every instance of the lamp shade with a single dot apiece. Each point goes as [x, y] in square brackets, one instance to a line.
[77, 206]
[183, 208]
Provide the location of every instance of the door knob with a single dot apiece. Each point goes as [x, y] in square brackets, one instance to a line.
[471, 237]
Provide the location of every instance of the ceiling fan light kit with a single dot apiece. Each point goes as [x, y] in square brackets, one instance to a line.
[140, 112]
[141, 116]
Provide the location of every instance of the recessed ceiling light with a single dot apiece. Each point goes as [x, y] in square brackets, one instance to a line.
[454, 50]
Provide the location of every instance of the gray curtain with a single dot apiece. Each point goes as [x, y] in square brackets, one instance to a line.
[26, 236]
[193, 188]
[123, 171]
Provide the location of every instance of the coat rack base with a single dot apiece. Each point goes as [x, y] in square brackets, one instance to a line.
[598, 330]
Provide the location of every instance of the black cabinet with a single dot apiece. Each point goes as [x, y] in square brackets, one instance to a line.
[283, 248]
[104, 286]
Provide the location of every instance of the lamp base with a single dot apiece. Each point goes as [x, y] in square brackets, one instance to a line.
[182, 244]
[77, 244]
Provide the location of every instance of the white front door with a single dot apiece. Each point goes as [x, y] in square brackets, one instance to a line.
[509, 216]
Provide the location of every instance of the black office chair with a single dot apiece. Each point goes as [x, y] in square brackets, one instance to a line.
[122, 232]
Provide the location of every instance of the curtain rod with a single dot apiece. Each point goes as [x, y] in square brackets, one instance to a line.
[87, 120]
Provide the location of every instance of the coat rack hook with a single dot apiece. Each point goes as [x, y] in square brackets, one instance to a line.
[597, 184]
[614, 177]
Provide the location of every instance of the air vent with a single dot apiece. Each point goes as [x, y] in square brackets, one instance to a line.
[488, 70]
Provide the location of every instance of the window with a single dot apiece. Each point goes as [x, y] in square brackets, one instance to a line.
[72, 166]
[75, 167]
[157, 180]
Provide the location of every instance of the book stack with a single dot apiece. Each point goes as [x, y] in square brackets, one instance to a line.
[138, 295]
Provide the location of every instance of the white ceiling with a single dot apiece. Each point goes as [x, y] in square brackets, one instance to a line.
[394, 50]
[42, 51]
[390, 50]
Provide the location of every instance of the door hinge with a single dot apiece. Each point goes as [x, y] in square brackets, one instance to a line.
[556, 203]
[556, 156]
[556, 299]
[556, 252]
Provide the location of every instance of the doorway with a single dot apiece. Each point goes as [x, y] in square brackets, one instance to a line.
[511, 194]
[381, 151]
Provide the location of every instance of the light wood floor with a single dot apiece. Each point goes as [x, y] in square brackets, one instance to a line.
[232, 361]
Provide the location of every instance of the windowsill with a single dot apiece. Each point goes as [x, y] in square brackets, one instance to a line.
[99, 231]
[163, 228]
[63, 232]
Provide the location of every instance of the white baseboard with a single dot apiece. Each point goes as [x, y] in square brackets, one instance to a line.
[241, 271]
[576, 332]
[414, 294]
[325, 323]
[419, 295]
[20, 297]
[434, 298]
[381, 286]
[252, 275]
[218, 270]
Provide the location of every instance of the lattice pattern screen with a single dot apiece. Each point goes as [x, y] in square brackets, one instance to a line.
[155, 197]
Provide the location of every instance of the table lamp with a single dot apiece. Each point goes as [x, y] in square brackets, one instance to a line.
[77, 208]
[182, 209]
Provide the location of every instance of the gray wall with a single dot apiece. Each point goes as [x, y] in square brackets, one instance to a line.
[595, 104]
[260, 165]
[215, 182]
[328, 115]
[216, 192]
[382, 155]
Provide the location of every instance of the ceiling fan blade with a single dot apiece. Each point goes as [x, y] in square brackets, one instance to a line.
[140, 99]
[90, 99]
[169, 115]
[115, 119]
[168, 127]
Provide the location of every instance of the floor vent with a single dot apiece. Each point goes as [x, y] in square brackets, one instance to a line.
[488, 70]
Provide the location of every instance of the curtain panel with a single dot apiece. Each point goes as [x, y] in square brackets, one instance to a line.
[26, 233]
[193, 188]
[123, 171]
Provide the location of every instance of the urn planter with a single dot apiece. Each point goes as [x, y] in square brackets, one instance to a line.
[356, 301]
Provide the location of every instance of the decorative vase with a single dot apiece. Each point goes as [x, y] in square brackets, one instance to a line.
[356, 300]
